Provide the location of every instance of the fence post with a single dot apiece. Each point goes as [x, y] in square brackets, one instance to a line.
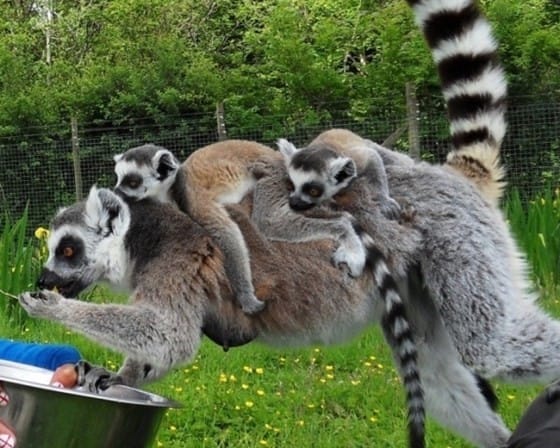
[221, 121]
[76, 159]
[412, 118]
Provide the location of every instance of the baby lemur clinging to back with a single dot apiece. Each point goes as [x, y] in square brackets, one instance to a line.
[216, 175]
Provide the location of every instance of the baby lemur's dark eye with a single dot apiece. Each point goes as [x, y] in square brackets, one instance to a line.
[132, 181]
[314, 192]
[313, 189]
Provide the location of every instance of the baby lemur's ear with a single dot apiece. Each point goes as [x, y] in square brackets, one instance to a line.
[165, 163]
[287, 149]
[117, 157]
[106, 212]
[342, 170]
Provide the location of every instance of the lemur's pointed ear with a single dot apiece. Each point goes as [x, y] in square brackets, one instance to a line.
[106, 212]
[343, 170]
[117, 157]
[165, 163]
[287, 149]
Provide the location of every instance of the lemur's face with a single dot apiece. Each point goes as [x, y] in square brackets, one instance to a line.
[146, 171]
[86, 244]
[316, 174]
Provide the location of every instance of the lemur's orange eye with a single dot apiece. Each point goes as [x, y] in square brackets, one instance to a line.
[68, 252]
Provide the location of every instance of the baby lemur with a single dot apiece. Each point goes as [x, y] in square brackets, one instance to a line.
[152, 171]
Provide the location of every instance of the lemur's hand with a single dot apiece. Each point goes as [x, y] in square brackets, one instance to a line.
[95, 378]
[44, 303]
[553, 391]
[390, 208]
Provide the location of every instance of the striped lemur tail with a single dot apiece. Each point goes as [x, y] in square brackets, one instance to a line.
[474, 88]
[398, 333]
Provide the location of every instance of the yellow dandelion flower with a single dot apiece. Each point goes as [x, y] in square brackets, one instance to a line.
[194, 367]
[329, 368]
[260, 392]
[511, 397]
[223, 378]
[232, 378]
[317, 350]
[310, 405]
[300, 423]
[367, 364]
[267, 426]
[178, 389]
[259, 370]
[322, 380]
[263, 442]
[248, 369]
[282, 359]
[41, 233]
[355, 382]
[237, 407]
[159, 444]
[173, 428]
[245, 386]
[373, 358]
[330, 376]
[249, 404]
[379, 366]
[373, 419]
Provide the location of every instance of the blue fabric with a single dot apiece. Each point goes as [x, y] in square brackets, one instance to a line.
[46, 356]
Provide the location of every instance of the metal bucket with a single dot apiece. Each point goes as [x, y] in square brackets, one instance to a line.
[45, 416]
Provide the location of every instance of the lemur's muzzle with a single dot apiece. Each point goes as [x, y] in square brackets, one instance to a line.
[51, 280]
[299, 205]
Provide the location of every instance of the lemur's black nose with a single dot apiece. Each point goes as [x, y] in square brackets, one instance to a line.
[48, 280]
[299, 204]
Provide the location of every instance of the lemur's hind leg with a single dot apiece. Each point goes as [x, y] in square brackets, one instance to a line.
[236, 255]
[452, 393]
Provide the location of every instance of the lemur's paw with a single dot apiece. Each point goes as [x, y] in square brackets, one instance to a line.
[260, 169]
[354, 260]
[95, 379]
[250, 304]
[41, 303]
[390, 208]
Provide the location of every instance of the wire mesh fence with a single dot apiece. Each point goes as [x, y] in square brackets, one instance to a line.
[39, 169]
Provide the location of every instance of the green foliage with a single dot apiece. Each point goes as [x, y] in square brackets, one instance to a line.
[20, 262]
[536, 224]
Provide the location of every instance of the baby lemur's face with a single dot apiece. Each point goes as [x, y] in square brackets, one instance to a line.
[146, 171]
[316, 173]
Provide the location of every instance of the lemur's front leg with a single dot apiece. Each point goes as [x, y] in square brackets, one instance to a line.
[142, 332]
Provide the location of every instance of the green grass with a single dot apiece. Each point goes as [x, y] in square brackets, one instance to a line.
[347, 396]
[20, 261]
